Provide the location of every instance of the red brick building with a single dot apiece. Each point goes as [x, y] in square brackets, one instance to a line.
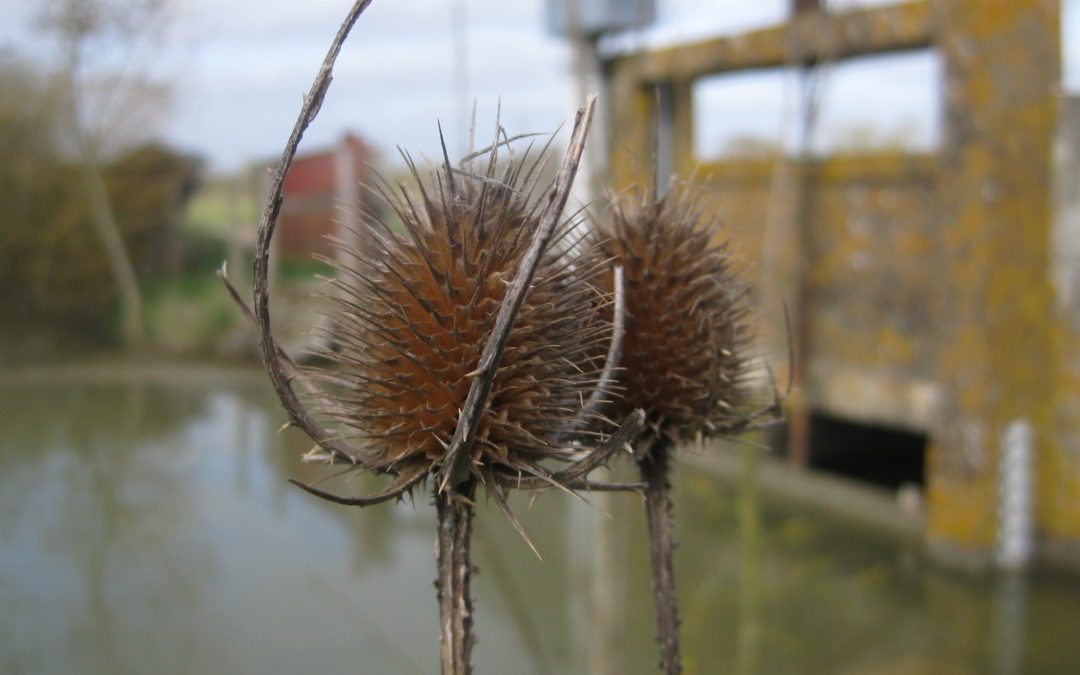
[322, 195]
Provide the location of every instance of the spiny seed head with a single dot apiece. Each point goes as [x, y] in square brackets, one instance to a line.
[684, 356]
[412, 307]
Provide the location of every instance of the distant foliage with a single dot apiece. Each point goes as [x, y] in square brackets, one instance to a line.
[54, 268]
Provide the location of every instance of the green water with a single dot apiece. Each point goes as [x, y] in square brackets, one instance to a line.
[146, 525]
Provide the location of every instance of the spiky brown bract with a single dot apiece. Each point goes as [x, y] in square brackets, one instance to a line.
[412, 307]
[684, 356]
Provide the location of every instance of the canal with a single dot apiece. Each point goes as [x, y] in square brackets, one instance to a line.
[146, 525]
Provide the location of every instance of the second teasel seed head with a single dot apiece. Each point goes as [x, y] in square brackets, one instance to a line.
[684, 356]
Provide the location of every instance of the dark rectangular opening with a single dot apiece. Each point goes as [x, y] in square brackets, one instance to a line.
[879, 455]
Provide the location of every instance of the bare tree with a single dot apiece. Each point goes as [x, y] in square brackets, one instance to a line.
[108, 97]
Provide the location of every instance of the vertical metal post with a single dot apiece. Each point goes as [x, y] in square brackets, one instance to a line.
[591, 78]
[809, 92]
[674, 131]
[664, 136]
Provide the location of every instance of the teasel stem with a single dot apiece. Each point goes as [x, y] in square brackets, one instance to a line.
[658, 512]
[455, 509]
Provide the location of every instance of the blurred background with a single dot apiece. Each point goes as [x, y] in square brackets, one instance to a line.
[898, 179]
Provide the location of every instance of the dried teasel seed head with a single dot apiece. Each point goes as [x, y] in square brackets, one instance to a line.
[414, 303]
[684, 359]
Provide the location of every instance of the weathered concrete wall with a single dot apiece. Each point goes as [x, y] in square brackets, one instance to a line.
[939, 294]
[869, 266]
[999, 357]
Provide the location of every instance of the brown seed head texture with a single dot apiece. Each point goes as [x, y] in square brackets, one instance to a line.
[412, 309]
[684, 356]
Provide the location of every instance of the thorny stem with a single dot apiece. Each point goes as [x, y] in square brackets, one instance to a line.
[455, 527]
[654, 473]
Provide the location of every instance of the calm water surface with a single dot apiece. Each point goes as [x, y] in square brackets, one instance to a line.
[147, 526]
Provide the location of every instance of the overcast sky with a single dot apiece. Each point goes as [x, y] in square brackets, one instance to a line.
[240, 68]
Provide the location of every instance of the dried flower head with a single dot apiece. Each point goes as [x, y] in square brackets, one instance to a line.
[684, 359]
[685, 353]
[447, 360]
[414, 302]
